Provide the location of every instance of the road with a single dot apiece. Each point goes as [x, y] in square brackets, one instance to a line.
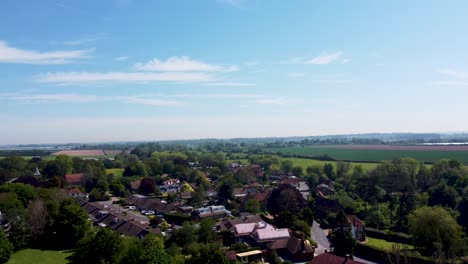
[319, 235]
[118, 209]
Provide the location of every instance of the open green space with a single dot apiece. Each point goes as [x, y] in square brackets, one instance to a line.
[384, 244]
[37, 256]
[117, 172]
[371, 154]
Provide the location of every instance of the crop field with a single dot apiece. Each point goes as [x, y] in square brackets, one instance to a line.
[88, 153]
[304, 163]
[376, 153]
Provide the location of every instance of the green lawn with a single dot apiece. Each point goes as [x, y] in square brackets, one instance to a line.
[372, 154]
[383, 244]
[117, 172]
[37, 256]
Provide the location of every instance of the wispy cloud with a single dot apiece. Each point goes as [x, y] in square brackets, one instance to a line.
[78, 98]
[182, 63]
[121, 58]
[10, 54]
[90, 77]
[80, 41]
[345, 61]
[325, 58]
[450, 83]
[454, 73]
[296, 74]
[456, 78]
[272, 101]
[228, 84]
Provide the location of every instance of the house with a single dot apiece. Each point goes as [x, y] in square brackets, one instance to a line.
[252, 256]
[357, 227]
[328, 258]
[299, 184]
[211, 212]
[229, 224]
[134, 185]
[325, 189]
[269, 238]
[74, 179]
[76, 193]
[170, 186]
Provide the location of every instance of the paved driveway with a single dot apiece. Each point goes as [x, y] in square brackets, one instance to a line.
[319, 235]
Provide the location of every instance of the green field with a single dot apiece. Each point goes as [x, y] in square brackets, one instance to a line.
[383, 244]
[117, 172]
[371, 154]
[37, 256]
[304, 163]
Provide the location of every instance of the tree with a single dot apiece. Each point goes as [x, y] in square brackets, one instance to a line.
[205, 231]
[433, 227]
[71, 223]
[252, 206]
[6, 248]
[148, 186]
[286, 165]
[37, 218]
[286, 198]
[342, 169]
[329, 170]
[103, 247]
[285, 219]
[341, 239]
[444, 195]
[297, 171]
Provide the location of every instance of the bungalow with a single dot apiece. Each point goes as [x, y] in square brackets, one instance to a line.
[74, 179]
[211, 212]
[76, 193]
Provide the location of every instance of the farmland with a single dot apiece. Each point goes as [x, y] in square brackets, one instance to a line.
[376, 153]
[88, 153]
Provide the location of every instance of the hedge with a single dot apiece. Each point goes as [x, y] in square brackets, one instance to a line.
[388, 235]
[380, 256]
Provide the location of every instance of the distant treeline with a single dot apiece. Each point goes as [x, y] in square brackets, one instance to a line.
[29, 152]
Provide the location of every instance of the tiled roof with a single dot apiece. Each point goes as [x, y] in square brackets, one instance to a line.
[74, 179]
[244, 229]
[328, 258]
[355, 221]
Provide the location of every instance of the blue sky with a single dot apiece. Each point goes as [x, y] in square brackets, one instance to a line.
[118, 70]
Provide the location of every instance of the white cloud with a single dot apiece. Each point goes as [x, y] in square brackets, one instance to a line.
[345, 61]
[229, 84]
[90, 77]
[121, 58]
[325, 58]
[182, 63]
[454, 73]
[450, 83]
[296, 74]
[10, 54]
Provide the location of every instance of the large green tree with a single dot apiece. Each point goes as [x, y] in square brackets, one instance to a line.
[435, 228]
